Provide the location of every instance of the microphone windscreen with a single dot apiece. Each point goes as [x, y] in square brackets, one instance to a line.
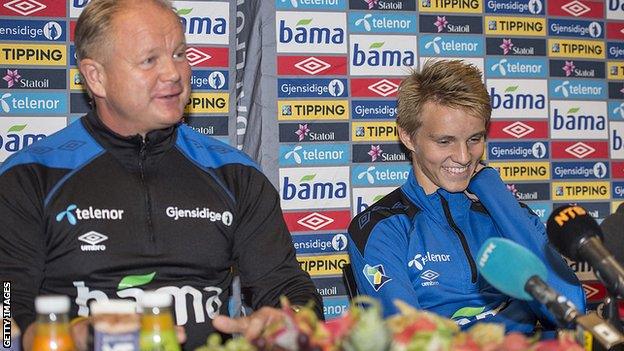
[613, 232]
[567, 226]
[507, 266]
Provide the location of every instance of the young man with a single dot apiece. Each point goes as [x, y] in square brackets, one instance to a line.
[418, 244]
[128, 199]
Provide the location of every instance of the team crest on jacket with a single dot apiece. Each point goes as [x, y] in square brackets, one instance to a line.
[376, 276]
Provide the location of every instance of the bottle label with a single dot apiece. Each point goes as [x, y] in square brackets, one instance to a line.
[103, 341]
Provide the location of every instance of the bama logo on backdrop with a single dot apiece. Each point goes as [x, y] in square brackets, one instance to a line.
[580, 170]
[380, 174]
[393, 55]
[18, 132]
[321, 87]
[516, 67]
[520, 7]
[29, 30]
[311, 4]
[451, 45]
[365, 197]
[311, 32]
[521, 98]
[204, 22]
[517, 150]
[616, 137]
[574, 119]
[313, 154]
[305, 188]
[381, 22]
[615, 9]
[577, 89]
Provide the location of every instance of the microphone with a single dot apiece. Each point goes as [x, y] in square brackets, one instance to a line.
[525, 279]
[613, 231]
[577, 236]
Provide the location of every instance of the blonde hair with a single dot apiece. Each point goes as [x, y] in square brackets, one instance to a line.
[450, 83]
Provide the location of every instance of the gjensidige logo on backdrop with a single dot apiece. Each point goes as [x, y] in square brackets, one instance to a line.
[301, 87]
[20, 132]
[381, 22]
[516, 67]
[305, 188]
[575, 28]
[450, 24]
[29, 30]
[451, 45]
[518, 98]
[311, 32]
[523, 7]
[577, 89]
[393, 55]
[373, 109]
[517, 150]
[580, 170]
[571, 119]
[209, 80]
[204, 22]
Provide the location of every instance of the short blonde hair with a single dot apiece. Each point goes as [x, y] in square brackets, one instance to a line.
[450, 83]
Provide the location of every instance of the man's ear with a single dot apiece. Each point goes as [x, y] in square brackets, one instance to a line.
[406, 139]
[93, 74]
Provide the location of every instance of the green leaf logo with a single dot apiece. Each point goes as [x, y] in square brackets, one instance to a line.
[377, 198]
[17, 128]
[377, 45]
[307, 178]
[511, 89]
[184, 12]
[304, 22]
[468, 312]
[574, 110]
[130, 281]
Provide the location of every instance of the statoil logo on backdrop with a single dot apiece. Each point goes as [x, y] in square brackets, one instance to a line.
[522, 7]
[291, 88]
[33, 54]
[525, 26]
[517, 150]
[459, 6]
[617, 140]
[524, 98]
[381, 22]
[515, 46]
[580, 190]
[451, 46]
[29, 103]
[393, 55]
[576, 8]
[529, 191]
[311, 4]
[289, 110]
[516, 67]
[30, 30]
[574, 119]
[372, 153]
[311, 32]
[577, 89]
[209, 125]
[514, 171]
[374, 131]
[204, 22]
[580, 170]
[30, 8]
[576, 48]
[575, 28]
[615, 50]
[450, 24]
[373, 109]
[313, 132]
[208, 103]
[393, 5]
[17, 133]
[541, 209]
[24, 78]
[615, 9]
[365, 197]
[313, 154]
[518, 130]
[380, 174]
[577, 69]
[305, 188]
[616, 90]
[330, 286]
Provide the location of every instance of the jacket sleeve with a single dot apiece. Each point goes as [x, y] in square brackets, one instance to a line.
[520, 224]
[22, 241]
[262, 245]
[378, 251]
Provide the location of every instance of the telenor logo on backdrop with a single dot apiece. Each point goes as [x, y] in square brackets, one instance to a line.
[381, 23]
[513, 67]
[451, 46]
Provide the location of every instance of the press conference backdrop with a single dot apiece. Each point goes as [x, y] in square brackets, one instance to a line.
[308, 89]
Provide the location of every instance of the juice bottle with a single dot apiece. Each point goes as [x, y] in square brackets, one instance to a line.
[115, 324]
[52, 324]
[157, 328]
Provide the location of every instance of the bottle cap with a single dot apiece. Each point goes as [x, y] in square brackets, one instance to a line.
[52, 304]
[155, 299]
[113, 306]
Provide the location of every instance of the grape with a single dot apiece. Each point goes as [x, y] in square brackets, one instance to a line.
[303, 341]
[260, 343]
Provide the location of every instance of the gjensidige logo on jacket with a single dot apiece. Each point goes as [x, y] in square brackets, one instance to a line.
[177, 213]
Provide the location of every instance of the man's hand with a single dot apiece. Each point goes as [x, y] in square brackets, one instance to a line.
[251, 326]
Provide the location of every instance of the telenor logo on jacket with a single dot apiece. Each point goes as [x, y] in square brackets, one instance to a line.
[376, 276]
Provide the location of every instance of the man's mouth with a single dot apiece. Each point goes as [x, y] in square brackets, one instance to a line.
[456, 170]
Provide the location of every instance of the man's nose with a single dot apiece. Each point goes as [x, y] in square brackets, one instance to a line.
[461, 154]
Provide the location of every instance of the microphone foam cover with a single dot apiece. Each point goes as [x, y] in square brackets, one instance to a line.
[567, 226]
[507, 266]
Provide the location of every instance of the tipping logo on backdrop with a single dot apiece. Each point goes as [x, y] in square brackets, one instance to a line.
[376, 276]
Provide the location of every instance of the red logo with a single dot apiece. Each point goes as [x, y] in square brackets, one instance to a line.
[580, 150]
[576, 8]
[374, 87]
[39, 8]
[615, 30]
[311, 65]
[518, 130]
[72, 30]
[208, 57]
[617, 169]
[321, 220]
[594, 291]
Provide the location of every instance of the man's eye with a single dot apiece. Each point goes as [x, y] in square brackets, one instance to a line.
[179, 56]
[148, 61]
[443, 142]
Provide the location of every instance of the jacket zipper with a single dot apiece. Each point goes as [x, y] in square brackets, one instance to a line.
[462, 239]
[148, 201]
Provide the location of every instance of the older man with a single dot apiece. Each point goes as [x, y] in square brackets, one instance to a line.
[128, 199]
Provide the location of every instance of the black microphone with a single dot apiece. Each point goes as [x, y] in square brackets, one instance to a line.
[577, 236]
[613, 230]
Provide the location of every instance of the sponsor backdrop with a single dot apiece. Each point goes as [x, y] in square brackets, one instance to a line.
[308, 88]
